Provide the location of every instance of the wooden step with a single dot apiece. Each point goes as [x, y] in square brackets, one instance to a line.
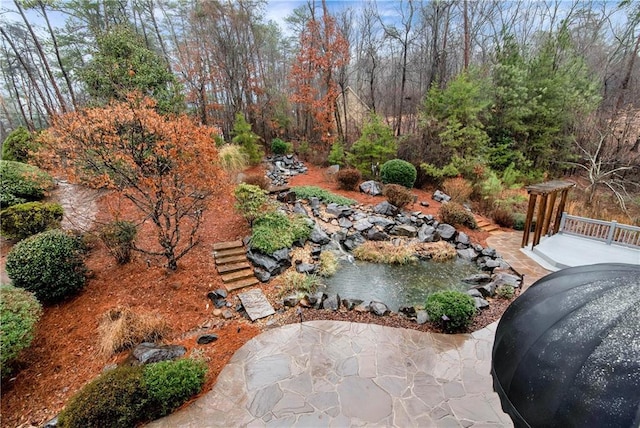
[241, 284]
[490, 228]
[230, 252]
[231, 259]
[232, 267]
[237, 275]
[226, 245]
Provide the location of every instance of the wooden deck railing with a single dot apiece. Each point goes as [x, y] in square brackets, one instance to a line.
[610, 232]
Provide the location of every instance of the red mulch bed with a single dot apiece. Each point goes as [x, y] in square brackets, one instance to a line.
[64, 354]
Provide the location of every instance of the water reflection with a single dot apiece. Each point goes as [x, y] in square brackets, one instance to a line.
[397, 285]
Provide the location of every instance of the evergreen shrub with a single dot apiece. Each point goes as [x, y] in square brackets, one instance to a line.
[19, 314]
[21, 183]
[251, 201]
[48, 264]
[450, 310]
[169, 384]
[23, 220]
[279, 147]
[17, 145]
[275, 230]
[398, 171]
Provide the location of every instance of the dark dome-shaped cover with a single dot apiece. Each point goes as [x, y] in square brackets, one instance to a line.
[567, 351]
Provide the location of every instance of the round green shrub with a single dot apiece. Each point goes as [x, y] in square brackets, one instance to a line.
[170, 384]
[118, 236]
[20, 183]
[23, 220]
[117, 398]
[19, 313]
[17, 145]
[455, 214]
[450, 310]
[279, 147]
[398, 171]
[48, 264]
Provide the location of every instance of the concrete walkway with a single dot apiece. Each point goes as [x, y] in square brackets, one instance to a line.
[339, 374]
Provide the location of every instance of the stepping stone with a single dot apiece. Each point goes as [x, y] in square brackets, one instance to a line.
[256, 304]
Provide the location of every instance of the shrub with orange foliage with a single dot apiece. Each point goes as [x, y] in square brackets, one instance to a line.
[458, 188]
[166, 165]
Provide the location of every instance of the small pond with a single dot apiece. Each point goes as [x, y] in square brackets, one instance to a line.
[398, 285]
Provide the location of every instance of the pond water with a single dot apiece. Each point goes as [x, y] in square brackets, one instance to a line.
[398, 285]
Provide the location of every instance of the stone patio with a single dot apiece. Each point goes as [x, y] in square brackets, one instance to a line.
[337, 374]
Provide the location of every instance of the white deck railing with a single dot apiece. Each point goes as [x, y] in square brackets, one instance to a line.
[610, 232]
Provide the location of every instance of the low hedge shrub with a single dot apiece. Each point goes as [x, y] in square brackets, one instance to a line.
[21, 183]
[170, 384]
[398, 171]
[275, 230]
[450, 310]
[23, 220]
[398, 195]
[19, 314]
[48, 264]
[308, 192]
[455, 214]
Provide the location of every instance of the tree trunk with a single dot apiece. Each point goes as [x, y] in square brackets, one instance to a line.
[627, 77]
[467, 38]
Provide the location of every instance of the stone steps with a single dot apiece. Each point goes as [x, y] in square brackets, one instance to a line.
[232, 265]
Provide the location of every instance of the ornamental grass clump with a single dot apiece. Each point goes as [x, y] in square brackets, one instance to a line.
[123, 328]
[455, 214]
[385, 252]
[19, 314]
[397, 195]
[328, 264]
[450, 310]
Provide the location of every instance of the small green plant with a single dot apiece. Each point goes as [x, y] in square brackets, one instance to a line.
[348, 178]
[450, 310]
[48, 264]
[117, 398]
[170, 384]
[398, 171]
[376, 146]
[17, 145]
[23, 220]
[279, 147]
[19, 314]
[505, 291]
[328, 264]
[455, 214]
[296, 282]
[251, 201]
[232, 158]
[245, 138]
[308, 192]
[275, 230]
[336, 154]
[21, 183]
[398, 195]
[519, 220]
[304, 149]
[438, 175]
[118, 236]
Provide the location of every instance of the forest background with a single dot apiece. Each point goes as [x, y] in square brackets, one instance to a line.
[499, 93]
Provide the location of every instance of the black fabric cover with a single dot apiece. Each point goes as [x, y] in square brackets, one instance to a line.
[567, 351]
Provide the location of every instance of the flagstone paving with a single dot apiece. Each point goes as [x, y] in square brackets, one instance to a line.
[338, 374]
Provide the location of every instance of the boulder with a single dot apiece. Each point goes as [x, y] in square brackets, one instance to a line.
[362, 307]
[385, 208]
[507, 279]
[380, 221]
[306, 268]
[147, 352]
[375, 234]
[350, 304]
[446, 231]
[422, 317]
[440, 196]
[362, 225]
[353, 241]
[371, 187]
[424, 203]
[319, 236]
[489, 252]
[428, 233]
[332, 170]
[291, 301]
[288, 197]
[404, 230]
[480, 303]
[479, 278]
[282, 255]
[467, 254]
[263, 261]
[205, 339]
[261, 274]
[332, 302]
[463, 238]
[474, 293]
[408, 311]
[345, 223]
[299, 209]
[378, 308]
[315, 300]
[314, 202]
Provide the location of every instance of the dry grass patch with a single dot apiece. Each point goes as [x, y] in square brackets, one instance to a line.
[385, 252]
[440, 251]
[121, 328]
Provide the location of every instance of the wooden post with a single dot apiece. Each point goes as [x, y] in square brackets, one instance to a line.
[539, 220]
[563, 200]
[549, 213]
[527, 224]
